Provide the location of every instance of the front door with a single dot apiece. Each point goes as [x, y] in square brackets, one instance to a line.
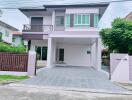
[61, 55]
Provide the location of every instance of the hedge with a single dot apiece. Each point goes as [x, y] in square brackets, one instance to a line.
[11, 49]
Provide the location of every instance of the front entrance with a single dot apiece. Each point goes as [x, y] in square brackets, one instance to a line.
[61, 55]
[41, 56]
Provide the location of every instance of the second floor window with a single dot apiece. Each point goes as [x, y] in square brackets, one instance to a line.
[59, 21]
[81, 20]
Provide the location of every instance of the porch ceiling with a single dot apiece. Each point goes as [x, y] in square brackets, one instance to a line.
[87, 41]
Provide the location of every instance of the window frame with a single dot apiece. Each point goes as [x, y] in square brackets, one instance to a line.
[56, 24]
[82, 14]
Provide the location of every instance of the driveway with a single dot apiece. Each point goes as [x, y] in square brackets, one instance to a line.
[74, 78]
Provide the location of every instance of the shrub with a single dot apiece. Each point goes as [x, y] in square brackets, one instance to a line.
[11, 49]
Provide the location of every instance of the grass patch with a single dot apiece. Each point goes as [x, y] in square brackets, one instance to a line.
[12, 77]
[6, 79]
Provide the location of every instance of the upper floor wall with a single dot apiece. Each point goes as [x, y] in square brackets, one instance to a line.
[64, 18]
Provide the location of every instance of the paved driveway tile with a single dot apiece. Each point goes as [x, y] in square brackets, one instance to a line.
[74, 77]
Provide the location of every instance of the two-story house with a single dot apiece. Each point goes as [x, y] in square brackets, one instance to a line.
[65, 34]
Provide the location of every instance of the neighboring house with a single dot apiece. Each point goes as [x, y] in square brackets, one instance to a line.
[7, 32]
[129, 16]
[17, 38]
[65, 34]
[10, 34]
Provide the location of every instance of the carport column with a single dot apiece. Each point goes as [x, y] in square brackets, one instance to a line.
[93, 55]
[98, 46]
[49, 56]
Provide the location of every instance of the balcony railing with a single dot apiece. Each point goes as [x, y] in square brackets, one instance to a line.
[37, 28]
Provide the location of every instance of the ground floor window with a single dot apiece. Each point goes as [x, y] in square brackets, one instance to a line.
[41, 53]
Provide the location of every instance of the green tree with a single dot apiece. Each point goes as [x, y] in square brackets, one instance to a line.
[119, 37]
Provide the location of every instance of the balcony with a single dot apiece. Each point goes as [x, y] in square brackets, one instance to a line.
[37, 28]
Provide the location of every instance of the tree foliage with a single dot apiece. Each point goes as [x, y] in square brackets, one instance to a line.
[119, 37]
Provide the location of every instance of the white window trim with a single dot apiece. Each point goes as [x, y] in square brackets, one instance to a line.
[81, 20]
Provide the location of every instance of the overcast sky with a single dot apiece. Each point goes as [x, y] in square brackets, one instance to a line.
[17, 19]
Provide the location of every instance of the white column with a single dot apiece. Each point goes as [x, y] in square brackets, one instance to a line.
[98, 54]
[54, 52]
[49, 56]
[93, 55]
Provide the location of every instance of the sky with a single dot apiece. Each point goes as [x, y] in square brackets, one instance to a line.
[15, 18]
[115, 10]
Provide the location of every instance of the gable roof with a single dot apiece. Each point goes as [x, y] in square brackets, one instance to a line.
[8, 26]
[97, 4]
[129, 16]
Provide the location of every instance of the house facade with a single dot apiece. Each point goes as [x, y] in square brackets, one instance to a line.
[65, 35]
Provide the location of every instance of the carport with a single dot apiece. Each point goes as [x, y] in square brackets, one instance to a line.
[73, 49]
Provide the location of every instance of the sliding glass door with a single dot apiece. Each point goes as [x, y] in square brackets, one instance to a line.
[41, 53]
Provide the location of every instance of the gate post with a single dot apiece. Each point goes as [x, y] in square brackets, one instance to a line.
[31, 63]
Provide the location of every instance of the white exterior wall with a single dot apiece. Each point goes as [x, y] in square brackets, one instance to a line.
[47, 20]
[76, 55]
[38, 43]
[5, 38]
